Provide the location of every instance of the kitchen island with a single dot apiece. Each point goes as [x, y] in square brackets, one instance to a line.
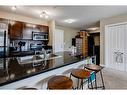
[15, 74]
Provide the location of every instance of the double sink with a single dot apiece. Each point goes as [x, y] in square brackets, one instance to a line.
[36, 58]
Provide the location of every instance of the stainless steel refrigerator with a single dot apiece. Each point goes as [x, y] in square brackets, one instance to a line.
[78, 43]
[3, 44]
[79, 46]
[3, 40]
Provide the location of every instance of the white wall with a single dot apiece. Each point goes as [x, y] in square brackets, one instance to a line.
[69, 33]
[103, 22]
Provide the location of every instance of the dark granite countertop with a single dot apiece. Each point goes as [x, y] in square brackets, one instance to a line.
[20, 53]
[13, 70]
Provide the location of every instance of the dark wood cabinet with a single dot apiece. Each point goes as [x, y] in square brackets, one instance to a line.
[42, 28]
[27, 30]
[15, 29]
[2, 20]
[23, 30]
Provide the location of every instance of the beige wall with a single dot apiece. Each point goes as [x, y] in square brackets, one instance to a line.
[69, 33]
[22, 18]
[103, 22]
[51, 31]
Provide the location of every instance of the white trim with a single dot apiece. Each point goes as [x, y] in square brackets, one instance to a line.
[110, 25]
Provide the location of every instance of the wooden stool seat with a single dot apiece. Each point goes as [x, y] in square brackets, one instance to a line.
[60, 82]
[96, 69]
[93, 67]
[80, 73]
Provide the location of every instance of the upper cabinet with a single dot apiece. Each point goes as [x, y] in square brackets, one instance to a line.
[42, 28]
[15, 29]
[23, 30]
[3, 24]
[27, 30]
[2, 20]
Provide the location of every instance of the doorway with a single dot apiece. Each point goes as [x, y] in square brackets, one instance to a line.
[94, 46]
[58, 40]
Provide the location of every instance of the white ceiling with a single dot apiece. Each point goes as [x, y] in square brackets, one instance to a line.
[85, 16]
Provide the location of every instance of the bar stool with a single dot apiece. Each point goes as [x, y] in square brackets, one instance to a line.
[60, 82]
[96, 69]
[81, 74]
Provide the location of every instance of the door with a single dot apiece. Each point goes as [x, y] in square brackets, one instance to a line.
[115, 47]
[58, 40]
[108, 50]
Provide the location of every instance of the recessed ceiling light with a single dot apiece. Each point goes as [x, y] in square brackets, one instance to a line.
[13, 8]
[69, 20]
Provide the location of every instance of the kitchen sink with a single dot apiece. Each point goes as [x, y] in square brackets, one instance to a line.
[49, 56]
[29, 59]
[36, 58]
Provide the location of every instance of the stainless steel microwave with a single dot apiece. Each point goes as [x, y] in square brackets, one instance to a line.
[39, 36]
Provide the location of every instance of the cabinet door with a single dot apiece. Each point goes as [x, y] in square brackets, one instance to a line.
[45, 29]
[41, 28]
[27, 30]
[15, 29]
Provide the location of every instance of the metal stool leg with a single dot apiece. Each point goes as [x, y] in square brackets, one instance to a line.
[81, 86]
[91, 82]
[78, 84]
[95, 81]
[102, 79]
[88, 83]
[70, 75]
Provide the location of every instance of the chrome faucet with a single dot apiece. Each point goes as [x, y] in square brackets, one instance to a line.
[44, 52]
[35, 52]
